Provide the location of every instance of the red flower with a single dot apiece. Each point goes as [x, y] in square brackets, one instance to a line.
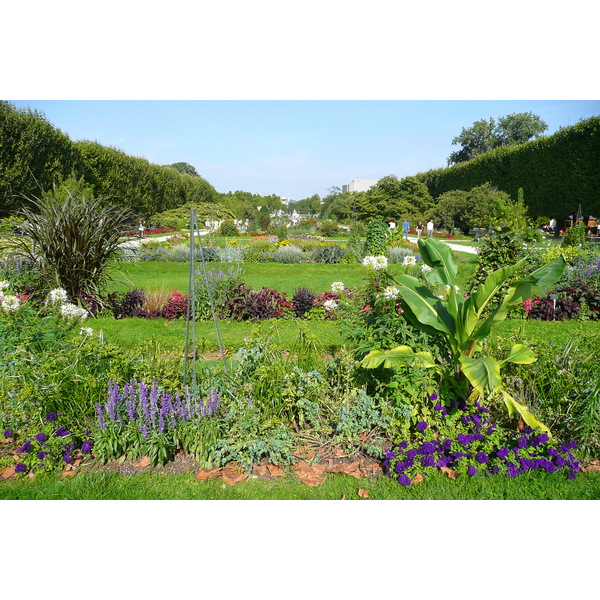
[367, 308]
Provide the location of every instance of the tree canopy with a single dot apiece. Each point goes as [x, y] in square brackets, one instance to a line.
[484, 136]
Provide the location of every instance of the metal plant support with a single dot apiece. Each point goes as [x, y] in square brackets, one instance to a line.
[191, 344]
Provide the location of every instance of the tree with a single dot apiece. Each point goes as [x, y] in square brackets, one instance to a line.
[185, 168]
[484, 136]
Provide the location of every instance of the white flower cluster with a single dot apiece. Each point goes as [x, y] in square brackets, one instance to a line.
[330, 305]
[86, 331]
[378, 263]
[58, 295]
[337, 287]
[425, 268]
[409, 260]
[69, 311]
[72, 312]
[391, 292]
[455, 287]
[8, 303]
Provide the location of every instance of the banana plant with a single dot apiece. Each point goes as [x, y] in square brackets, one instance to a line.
[465, 322]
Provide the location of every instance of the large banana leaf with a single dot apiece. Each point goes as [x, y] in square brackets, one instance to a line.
[483, 373]
[546, 276]
[513, 406]
[441, 259]
[427, 308]
[401, 355]
[520, 355]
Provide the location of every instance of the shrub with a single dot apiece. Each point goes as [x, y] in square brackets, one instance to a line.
[230, 254]
[329, 229]
[218, 285]
[71, 241]
[288, 254]
[575, 236]
[376, 241]
[331, 254]
[302, 301]
[125, 305]
[176, 306]
[397, 254]
[245, 304]
[228, 229]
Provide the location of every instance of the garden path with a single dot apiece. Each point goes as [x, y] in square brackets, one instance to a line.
[455, 247]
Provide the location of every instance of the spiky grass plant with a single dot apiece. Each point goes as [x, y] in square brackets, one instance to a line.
[71, 240]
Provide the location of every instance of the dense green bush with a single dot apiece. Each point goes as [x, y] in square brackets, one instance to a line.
[556, 173]
[376, 240]
[228, 229]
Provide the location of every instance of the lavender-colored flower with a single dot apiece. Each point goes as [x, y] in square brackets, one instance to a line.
[51, 417]
[86, 447]
[542, 438]
[101, 423]
[144, 431]
[434, 397]
[411, 453]
[7, 433]
[559, 461]
[471, 470]
[441, 462]
[389, 454]
[552, 452]
[61, 432]
[482, 457]
[477, 419]
[446, 445]
[428, 461]
[526, 464]
[399, 468]
[463, 439]
[522, 442]
[20, 468]
[404, 480]
[512, 469]
[40, 437]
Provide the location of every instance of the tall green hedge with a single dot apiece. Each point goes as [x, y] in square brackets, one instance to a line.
[34, 156]
[556, 173]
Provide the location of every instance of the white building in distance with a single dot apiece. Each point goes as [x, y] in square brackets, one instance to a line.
[359, 185]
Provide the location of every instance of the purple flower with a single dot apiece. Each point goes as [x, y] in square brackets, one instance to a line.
[403, 445]
[411, 453]
[572, 444]
[389, 454]
[433, 397]
[404, 479]
[61, 432]
[543, 438]
[465, 440]
[26, 447]
[526, 464]
[428, 461]
[559, 461]
[422, 425]
[428, 448]
[400, 466]
[40, 437]
[144, 431]
[471, 470]
[7, 433]
[522, 442]
[466, 419]
[512, 470]
[42, 455]
[20, 468]
[101, 423]
[552, 451]
[86, 447]
[66, 458]
[442, 462]
[446, 445]
[51, 417]
[482, 457]
[502, 453]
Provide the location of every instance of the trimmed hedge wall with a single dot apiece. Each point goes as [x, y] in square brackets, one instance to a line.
[34, 155]
[557, 173]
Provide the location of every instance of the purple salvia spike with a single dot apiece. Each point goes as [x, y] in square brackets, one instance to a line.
[143, 393]
[101, 423]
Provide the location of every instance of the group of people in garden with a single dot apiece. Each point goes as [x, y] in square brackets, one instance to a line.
[419, 228]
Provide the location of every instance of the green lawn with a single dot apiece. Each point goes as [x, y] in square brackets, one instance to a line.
[153, 275]
[149, 486]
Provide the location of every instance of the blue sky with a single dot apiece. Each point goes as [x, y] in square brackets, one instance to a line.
[292, 148]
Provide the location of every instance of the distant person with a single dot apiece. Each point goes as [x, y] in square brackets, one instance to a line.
[552, 225]
[141, 228]
[430, 228]
[406, 226]
[419, 230]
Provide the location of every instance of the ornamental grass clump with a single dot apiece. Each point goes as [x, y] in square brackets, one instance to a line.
[142, 420]
[460, 439]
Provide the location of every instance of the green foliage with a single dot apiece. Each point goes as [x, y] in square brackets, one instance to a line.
[329, 254]
[329, 229]
[72, 242]
[228, 229]
[574, 236]
[484, 136]
[464, 323]
[556, 173]
[376, 240]
[179, 217]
